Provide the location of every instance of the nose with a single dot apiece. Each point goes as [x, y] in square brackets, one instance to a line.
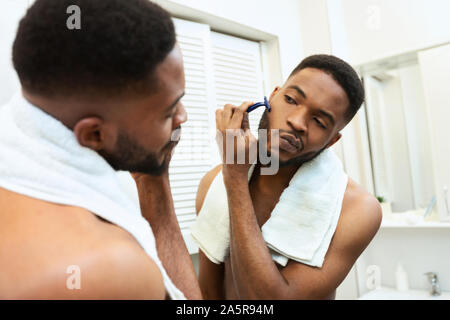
[181, 116]
[297, 119]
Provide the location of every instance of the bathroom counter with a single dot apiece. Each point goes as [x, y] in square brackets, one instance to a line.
[385, 293]
[401, 224]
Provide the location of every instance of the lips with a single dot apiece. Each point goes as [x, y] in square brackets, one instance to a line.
[290, 143]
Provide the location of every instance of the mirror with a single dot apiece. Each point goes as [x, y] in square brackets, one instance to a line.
[398, 127]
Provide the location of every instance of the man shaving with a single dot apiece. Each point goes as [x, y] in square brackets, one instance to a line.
[317, 101]
[102, 98]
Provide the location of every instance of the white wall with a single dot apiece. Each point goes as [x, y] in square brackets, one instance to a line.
[314, 27]
[11, 11]
[366, 30]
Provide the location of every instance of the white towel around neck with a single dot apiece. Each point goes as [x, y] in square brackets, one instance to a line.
[301, 225]
[41, 158]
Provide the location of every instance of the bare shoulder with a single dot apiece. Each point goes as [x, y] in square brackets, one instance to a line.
[51, 248]
[360, 217]
[105, 271]
[360, 204]
[358, 223]
[204, 185]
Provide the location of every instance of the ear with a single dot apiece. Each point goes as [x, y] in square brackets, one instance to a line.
[274, 92]
[335, 139]
[90, 133]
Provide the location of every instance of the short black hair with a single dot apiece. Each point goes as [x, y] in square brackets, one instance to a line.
[117, 49]
[342, 73]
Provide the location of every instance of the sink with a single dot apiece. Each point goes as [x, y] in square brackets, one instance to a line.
[384, 293]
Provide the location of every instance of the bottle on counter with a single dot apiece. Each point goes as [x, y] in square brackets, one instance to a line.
[401, 278]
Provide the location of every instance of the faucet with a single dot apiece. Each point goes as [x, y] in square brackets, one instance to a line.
[435, 287]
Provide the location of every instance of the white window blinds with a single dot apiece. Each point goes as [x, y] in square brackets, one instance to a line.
[219, 69]
[192, 157]
[237, 73]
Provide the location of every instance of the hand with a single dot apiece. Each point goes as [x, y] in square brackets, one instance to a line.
[237, 144]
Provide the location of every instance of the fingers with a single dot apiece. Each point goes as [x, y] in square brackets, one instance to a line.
[228, 112]
[238, 115]
[233, 117]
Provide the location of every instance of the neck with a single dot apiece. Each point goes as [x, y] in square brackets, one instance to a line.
[70, 109]
[53, 107]
[278, 181]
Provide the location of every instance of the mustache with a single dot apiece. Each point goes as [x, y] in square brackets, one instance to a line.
[295, 134]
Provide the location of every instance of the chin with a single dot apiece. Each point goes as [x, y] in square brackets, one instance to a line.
[289, 160]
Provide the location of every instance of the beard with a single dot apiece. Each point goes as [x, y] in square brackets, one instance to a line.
[296, 161]
[130, 156]
[299, 160]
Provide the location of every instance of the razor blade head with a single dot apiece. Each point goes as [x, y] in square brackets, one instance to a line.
[260, 104]
[266, 103]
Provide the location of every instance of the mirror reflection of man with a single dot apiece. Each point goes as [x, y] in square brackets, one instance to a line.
[116, 83]
[318, 100]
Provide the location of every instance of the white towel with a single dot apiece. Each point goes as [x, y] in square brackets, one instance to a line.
[301, 225]
[41, 158]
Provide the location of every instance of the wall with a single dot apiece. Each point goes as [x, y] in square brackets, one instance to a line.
[366, 30]
[314, 27]
[10, 13]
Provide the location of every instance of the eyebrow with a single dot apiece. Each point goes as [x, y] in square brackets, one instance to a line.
[300, 91]
[176, 101]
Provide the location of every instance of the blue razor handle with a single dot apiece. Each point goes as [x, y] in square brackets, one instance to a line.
[259, 104]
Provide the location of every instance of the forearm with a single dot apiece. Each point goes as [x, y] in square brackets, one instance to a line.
[255, 274]
[157, 208]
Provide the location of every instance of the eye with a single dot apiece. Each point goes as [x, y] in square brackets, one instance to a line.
[289, 100]
[319, 123]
